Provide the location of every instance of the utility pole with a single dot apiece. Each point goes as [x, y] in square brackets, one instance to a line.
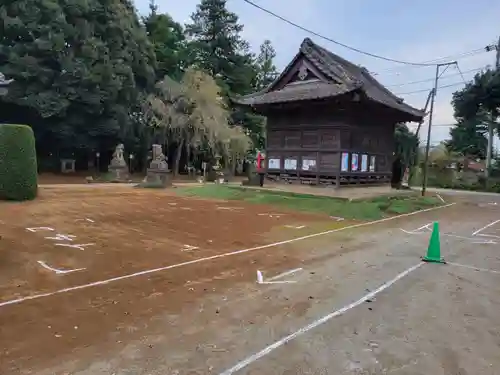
[414, 155]
[498, 54]
[489, 151]
[431, 112]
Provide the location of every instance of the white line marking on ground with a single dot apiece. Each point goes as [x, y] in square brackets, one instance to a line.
[189, 248]
[86, 219]
[79, 246]
[206, 259]
[337, 218]
[295, 227]
[271, 215]
[36, 229]
[56, 270]
[287, 273]
[62, 237]
[272, 280]
[418, 230]
[488, 235]
[441, 198]
[316, 323]
[472, 267]
[485, 227]
[260, 277]
[473, 240]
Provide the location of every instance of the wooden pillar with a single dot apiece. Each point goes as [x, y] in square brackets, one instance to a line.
[317, 168]
[339, 167]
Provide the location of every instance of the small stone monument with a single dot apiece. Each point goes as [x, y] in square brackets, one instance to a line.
[68, 166]
[4, 83]
[118, 166]
[157, 174]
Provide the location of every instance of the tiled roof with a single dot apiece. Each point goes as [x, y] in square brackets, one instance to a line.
[292, 93]
[345, 77]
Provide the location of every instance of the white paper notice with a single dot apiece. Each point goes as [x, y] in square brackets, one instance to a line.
[274, 164]
[291, 164]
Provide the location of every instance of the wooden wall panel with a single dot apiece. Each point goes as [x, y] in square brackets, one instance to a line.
[275, 139]
[329, 161]
[292, 139]
[330, 138]
[310, 139]
[345, 139]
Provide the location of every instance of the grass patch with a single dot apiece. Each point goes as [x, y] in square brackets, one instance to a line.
[367, 209]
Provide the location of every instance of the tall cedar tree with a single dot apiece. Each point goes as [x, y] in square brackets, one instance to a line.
[218, 48]
[169, 43]
[266, 70]
[80, 64]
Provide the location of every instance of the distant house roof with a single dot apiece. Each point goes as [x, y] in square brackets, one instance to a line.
[342, 77]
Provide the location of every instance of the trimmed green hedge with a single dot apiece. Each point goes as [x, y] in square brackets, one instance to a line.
[18, 167]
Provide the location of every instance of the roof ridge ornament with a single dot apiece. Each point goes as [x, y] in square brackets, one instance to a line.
[303, 72]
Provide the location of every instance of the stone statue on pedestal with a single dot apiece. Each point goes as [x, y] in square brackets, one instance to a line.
[157, 174]
[118, 165]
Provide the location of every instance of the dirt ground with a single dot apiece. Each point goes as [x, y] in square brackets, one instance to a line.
[104, 233]
[207, 317]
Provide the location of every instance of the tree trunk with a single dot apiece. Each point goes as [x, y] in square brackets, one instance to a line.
[234, 161]
[188, 160]
[178, 153]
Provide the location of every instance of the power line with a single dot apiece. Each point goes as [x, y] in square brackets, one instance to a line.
[432, 79]
[429, 89]
[437, 60]
[439, 125]
[332, 40]
[461, 74]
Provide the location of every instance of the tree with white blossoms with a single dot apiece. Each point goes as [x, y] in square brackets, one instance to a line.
[192, 113]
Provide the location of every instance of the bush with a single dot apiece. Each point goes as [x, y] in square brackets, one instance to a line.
[18, 167]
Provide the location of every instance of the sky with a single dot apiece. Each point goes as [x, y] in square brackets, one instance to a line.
[425, 30]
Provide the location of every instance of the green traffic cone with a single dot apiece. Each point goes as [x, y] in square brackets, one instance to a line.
[434, 249]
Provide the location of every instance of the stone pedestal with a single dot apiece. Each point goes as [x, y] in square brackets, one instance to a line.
[158, 178]
[119, 173]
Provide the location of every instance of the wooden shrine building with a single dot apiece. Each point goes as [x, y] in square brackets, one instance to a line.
[329, 121]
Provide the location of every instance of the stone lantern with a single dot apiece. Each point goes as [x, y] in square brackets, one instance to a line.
[4, 83]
